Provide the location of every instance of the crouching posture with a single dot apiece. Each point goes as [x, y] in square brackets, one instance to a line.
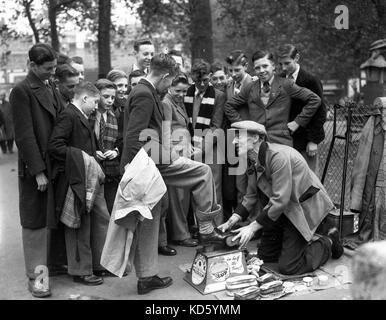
[291, 204]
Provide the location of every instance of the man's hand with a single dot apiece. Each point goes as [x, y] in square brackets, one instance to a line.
[42, 181]
[100, 155]
[293, 126]
[111, 154]
[224, 227]
[246, 233]
[196, 153]
[230, 223]
[312, 149]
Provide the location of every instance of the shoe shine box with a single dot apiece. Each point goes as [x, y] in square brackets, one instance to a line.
[210, 270]
[350, 221]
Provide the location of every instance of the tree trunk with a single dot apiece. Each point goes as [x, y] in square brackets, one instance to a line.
[104, 55]
[380, 7]
[201, 35]
[27, 7]
[52, 13]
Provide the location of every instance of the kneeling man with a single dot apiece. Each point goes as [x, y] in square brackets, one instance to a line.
[291, 203]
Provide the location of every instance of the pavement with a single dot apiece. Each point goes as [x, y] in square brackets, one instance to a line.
[13, 283]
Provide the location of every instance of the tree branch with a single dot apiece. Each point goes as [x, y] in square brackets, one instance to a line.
[62, 4]
[27, 6]
[184, 7]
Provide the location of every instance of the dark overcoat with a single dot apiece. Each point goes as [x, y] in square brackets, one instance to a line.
[314, 131]
[5, 108]
[145, 128]
[72, 129]
[34, 111]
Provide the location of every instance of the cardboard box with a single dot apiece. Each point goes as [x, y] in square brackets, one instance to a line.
[210, 270]
[350, 222]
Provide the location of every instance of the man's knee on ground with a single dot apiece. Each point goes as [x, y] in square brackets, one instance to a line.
[287, 268]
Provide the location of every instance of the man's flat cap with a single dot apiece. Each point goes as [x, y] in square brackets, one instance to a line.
[379, 44]
[250, 126]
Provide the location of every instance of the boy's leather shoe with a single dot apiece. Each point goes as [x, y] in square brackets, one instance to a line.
[336, 247]
[189, 242]
[213, 237]
[146, 285]
[90, 280]
[37, 290]
[167, 251]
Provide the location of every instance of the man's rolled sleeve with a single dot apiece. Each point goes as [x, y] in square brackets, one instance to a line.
[250, 198]
[242, 212]
[281, 175]
[263, 219]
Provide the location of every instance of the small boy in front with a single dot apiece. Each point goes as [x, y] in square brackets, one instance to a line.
[72, 131]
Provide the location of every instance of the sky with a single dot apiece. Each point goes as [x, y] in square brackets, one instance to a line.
[120, 15]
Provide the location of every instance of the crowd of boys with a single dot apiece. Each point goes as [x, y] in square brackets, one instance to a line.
[75, 139]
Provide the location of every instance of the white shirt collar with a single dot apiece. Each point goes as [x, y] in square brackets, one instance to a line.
[135, 68]
[197, 92]
[202, 93]
[100, 114]
[296, 72]
[150, 83]
[81, 111]
[270, 82]
[243, 80]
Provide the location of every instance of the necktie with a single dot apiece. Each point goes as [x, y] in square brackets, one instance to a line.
[102, 129]
[251, 167]
[196, 108]
[48, 86]
[266, 87]
[237, 87]
[53, 100]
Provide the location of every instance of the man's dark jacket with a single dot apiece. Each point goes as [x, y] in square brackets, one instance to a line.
[71, 130]
[34, 111]
[314, 131]
[143, 117]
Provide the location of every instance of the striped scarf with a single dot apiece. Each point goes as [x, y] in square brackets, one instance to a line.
[110, 167]
[205, 113]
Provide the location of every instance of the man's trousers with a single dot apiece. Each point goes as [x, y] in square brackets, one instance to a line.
[177, 213]
[198, 179]
[190, 175]
[217, 176]
[282, 242]
[111, 187]
[163, 231]
[35, 249]
[144, 248]
[84, 245]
